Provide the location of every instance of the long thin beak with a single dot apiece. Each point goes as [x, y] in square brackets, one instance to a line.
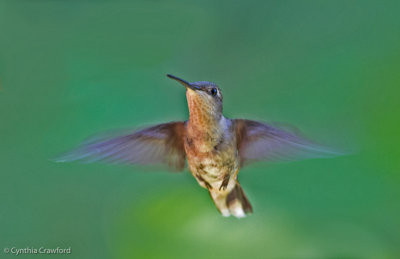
[183, 82]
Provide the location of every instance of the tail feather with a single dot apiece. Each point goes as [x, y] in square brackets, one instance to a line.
[234, 203]
[237, 200]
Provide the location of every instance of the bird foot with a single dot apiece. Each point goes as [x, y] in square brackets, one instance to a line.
[224, 183]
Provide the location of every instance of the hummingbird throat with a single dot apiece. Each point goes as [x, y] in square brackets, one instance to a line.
[203, 114]
[205, 124]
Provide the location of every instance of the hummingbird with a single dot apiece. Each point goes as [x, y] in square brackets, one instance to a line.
[214, 147]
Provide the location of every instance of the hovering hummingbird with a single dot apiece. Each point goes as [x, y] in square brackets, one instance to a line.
[214, 147]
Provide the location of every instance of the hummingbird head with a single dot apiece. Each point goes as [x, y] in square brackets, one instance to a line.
[204, 99]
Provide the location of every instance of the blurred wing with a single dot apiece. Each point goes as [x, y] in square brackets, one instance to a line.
[160, 144]
[258, 141]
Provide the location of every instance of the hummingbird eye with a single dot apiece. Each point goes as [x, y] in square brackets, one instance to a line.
[213, 91]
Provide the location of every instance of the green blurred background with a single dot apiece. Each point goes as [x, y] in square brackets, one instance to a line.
[69, 69]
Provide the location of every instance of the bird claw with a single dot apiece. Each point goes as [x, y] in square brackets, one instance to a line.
[224, 183]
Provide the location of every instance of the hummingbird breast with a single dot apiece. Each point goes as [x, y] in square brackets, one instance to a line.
[212, 154]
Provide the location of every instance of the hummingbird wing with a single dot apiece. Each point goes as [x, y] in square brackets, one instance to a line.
[258, 141]
[160, 144]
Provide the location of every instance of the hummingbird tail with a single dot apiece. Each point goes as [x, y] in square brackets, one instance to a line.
[234, 203]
